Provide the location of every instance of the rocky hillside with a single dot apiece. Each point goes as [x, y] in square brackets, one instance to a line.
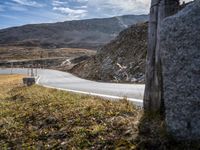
[122, 60]
[91, 33]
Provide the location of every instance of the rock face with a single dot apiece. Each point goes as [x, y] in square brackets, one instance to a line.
[180, 52]
[121, 60]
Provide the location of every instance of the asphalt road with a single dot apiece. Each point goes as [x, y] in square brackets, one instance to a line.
[68, 82]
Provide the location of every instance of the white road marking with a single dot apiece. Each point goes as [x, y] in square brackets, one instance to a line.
[94, 94]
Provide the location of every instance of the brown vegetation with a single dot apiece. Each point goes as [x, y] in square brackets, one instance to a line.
[19, 53]
[40, 118]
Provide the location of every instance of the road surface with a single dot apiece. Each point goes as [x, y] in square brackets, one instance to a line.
[68, 82]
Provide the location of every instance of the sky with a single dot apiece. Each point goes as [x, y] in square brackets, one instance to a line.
[20, 12]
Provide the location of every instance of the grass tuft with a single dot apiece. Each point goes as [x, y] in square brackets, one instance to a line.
[37, 117]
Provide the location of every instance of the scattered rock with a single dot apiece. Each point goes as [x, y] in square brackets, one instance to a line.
[122, 60]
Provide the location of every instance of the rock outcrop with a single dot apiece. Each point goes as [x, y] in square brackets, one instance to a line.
[122, 60]
[180, 54]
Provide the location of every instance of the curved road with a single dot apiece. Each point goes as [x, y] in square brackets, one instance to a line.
[68, 82]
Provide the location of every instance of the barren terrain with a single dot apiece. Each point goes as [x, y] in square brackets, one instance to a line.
[58, 58]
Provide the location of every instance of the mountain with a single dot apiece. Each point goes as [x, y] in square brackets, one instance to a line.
[90, 33]
[121, 60]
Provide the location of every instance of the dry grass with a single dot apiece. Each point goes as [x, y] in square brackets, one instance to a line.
[10, 79]
[19, 52]
[40, 118]
[7, 83]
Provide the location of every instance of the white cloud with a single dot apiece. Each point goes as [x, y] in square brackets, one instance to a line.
[28, 3]
[80, 1]
[81, 9]
[75, 11]
[72, 13]
[118, 7]
[57, 3]
[121, 6]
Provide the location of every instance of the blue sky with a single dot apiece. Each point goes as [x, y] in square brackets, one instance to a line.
[20, 12]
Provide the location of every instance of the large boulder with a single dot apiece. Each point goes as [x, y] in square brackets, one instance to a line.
[180, 54]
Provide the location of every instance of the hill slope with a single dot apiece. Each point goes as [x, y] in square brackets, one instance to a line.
[91, 33]
[122, 60]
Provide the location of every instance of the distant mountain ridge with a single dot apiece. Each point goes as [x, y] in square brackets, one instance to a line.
[90, 33]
